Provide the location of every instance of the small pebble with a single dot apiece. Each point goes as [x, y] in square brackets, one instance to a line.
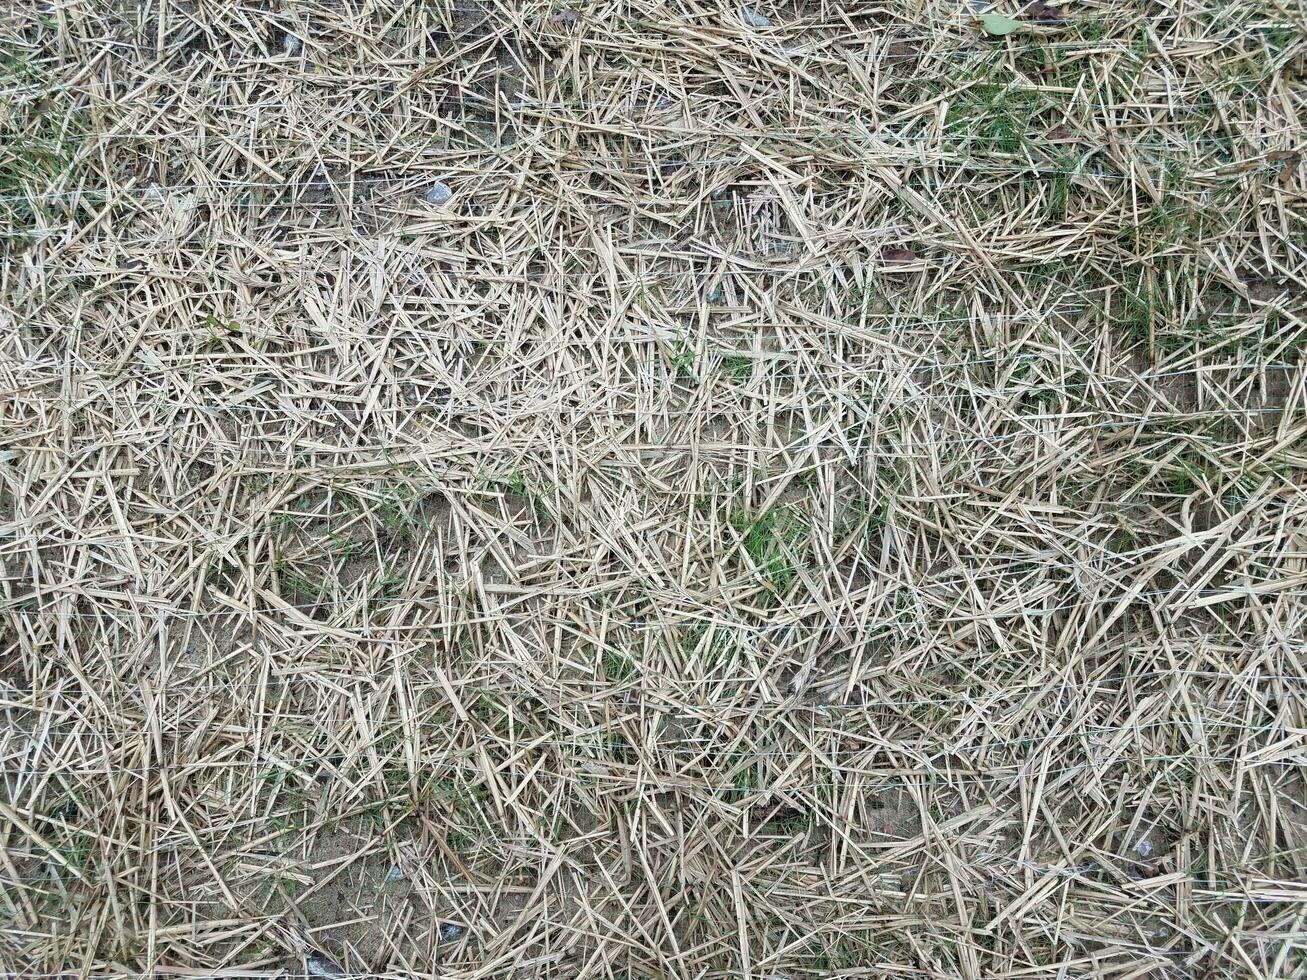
[323, 966]
[394, 874]
[449, 932]
[754, 18]
[440, 193]
[292, 45]
[1144, 848]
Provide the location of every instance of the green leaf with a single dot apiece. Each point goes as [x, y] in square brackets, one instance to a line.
[997, 26]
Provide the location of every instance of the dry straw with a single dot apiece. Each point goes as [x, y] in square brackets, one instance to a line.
[652, 490]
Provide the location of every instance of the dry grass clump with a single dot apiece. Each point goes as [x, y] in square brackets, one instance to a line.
[652, 490]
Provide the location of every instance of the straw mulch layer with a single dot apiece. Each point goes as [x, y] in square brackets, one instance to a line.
[652, 490]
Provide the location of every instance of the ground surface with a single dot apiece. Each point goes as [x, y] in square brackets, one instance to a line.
[652, 490]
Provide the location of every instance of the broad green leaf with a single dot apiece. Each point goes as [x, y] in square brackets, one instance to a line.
[997, 26]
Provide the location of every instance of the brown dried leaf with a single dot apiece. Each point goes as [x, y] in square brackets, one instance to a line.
[1038, 10]
[898, 256]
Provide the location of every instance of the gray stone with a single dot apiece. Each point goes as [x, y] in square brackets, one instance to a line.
[325, 967]
[439, 193]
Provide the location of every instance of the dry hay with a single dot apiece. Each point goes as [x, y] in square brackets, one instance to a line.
[652, 490]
